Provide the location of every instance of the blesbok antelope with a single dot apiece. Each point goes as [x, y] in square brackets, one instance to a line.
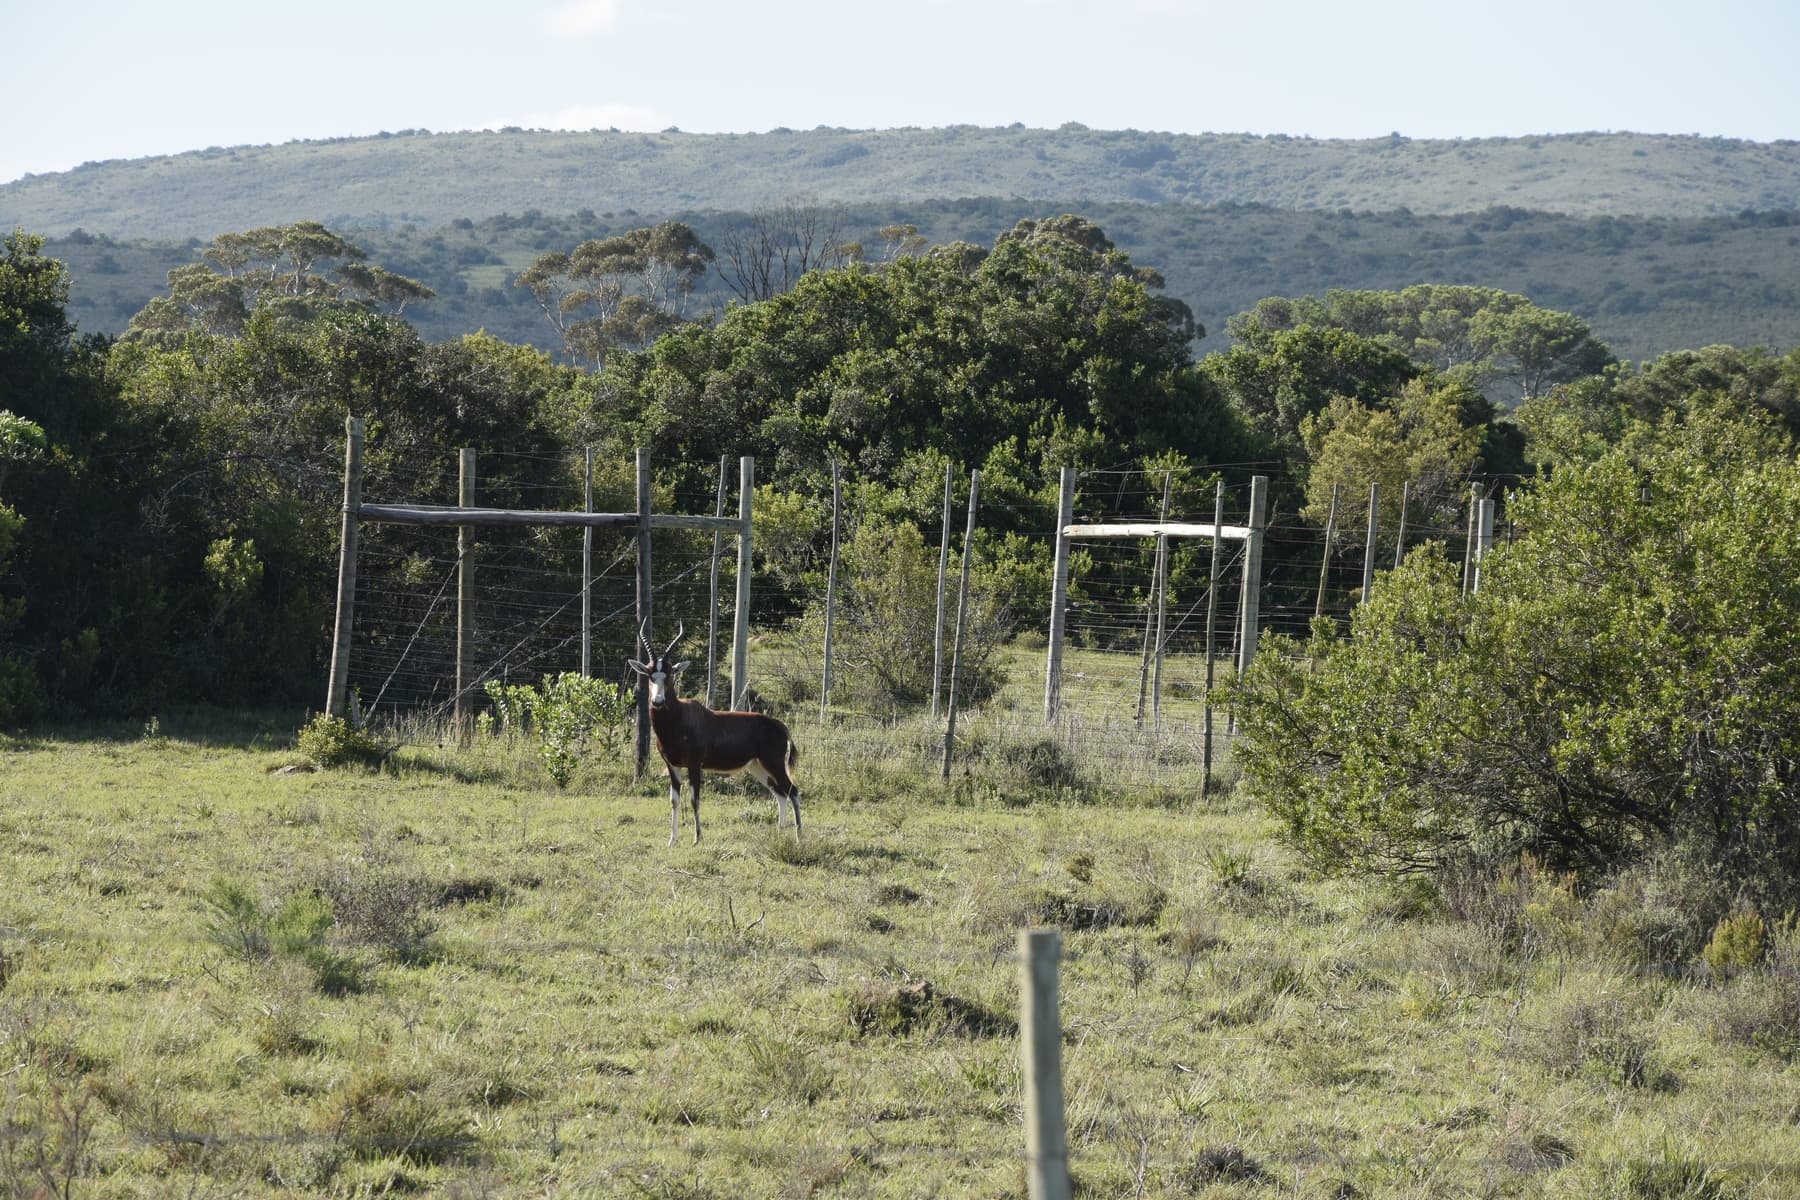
[694, 738]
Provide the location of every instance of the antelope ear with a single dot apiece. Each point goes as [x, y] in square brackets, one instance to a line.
[678, 668]
[636, 666]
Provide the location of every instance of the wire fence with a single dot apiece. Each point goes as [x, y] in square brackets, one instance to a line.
[1151, 629]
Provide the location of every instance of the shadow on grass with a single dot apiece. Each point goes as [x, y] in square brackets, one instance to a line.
[202, 726]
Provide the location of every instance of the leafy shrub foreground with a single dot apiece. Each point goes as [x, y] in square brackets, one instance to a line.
[1625, 681]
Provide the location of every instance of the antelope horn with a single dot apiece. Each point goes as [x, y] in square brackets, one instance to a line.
[679, 629]
[644, 642]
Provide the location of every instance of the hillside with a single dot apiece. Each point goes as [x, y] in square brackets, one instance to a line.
[1646, 285]
[1660, 242]
[432, 179]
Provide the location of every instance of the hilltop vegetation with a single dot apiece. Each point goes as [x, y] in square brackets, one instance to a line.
[1647, 284]
[432, 179]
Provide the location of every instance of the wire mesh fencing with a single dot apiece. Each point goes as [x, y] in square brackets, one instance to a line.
[859, 619]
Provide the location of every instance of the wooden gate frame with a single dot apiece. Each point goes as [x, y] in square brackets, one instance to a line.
[355, 511]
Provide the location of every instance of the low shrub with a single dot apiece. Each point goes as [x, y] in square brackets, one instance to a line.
[328, 741]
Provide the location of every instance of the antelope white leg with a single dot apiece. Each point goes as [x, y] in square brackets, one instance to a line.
[674, 812]
[761, 774]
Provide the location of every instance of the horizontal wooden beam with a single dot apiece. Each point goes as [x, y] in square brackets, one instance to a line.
[1159, 529]
[435, 514]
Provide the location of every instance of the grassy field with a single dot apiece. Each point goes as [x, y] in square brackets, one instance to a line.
[448, 977]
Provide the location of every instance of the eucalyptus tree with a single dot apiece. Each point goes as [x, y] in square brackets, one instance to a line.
[618, 293]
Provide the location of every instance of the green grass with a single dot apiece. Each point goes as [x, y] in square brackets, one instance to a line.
[530, 993]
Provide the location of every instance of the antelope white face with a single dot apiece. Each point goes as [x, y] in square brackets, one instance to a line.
[660, 675]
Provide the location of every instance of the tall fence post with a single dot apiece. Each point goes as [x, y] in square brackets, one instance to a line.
[587, 563]
[962, 615]
[1040, 1047]
[830, 592]
[1059, 594]
[712, 594]
[1368, 580]
[1468, 574]
[1152, 616]
[1212, 617]
[937, 636]
[1325, 558]
[464, 708]
[740, 631]
[645, 599]
[1400, 538]
[337, 686]
[1484, 540]
[1253, 547]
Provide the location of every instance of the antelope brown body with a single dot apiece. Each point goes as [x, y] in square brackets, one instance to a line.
[696, 739]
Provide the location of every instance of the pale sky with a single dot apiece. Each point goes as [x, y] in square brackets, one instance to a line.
[85, 80]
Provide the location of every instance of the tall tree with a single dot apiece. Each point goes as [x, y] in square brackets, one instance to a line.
[618, 293]
[766, 252]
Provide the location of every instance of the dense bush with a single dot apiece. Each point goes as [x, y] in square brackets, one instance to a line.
[1627, 678]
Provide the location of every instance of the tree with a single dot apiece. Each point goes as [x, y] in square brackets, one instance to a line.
[766, 252]
[1277, 378]
[275, 268]
[1626, 680]
[1419, 440]
[1502, 342]
[634, 285]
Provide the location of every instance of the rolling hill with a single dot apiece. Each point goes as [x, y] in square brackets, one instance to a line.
[1659, 241]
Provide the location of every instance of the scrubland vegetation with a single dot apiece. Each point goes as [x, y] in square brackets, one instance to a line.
[224, 976]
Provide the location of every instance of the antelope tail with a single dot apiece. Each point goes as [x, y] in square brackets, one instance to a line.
[793, 753]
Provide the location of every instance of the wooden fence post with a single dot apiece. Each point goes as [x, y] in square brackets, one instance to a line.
[587, 563]
[1400, 539]
[712, 620]
[1059, 595]
[1468, 574]
[463, 710]
[1253, 547]
[337, 686]
[1040, 1045]
[740, 634]
[1325, 558]
[645, 602]
[830, 593]
[937, 636]
[1212, 617]
[1153, 615]
[962, 614]
[1368, 580]
[1484, 541]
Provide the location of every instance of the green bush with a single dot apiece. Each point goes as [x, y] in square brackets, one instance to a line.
[328, 741]
[1738, 944]
[1625, 681]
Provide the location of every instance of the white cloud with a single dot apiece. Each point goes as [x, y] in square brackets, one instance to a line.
[582, 18]
[587, 116]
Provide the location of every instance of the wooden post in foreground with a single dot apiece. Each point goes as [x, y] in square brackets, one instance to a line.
[1040, 1044]
[740, 629]
[1059, 595]
[463, 710]
[962, 616]
[337, 687]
